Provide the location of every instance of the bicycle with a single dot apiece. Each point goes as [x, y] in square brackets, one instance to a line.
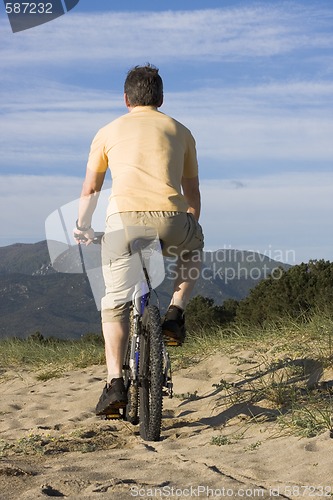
[147, 366]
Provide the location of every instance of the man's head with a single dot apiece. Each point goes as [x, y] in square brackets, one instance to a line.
[144, 87]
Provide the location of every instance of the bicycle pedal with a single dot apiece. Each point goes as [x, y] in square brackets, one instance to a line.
[116, 415]
[172, 343]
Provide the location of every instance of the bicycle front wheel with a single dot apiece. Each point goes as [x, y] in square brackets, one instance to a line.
[151, 375]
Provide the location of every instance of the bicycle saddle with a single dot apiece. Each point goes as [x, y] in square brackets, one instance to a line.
[139, 244]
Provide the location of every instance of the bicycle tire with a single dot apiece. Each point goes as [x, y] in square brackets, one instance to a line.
[151, 375]
[132, 407]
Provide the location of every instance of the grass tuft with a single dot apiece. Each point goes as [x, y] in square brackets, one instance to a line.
[287, 379]
[51, 358]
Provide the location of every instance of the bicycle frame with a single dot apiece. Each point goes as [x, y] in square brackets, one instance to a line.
[141, 298]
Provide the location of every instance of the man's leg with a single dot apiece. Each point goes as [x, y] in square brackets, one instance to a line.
[121, 271]
[183, 236]
[115, 339]
[188, 271]
[114, 394]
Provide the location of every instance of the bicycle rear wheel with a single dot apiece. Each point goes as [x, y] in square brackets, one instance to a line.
[132, 407]
[151, 375]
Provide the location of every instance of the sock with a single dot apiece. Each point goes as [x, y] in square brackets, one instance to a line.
[111, 376]
[180, 303]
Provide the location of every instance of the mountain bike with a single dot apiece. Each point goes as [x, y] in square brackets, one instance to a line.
[147, 367]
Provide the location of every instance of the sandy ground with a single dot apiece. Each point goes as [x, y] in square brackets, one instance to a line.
[53, 444]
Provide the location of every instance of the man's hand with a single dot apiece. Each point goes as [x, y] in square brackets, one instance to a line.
[89, 196]
[85, 237]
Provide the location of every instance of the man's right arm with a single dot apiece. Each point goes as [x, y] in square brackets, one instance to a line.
[192, 195]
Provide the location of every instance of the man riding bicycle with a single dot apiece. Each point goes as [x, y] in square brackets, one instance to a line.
[155, 190]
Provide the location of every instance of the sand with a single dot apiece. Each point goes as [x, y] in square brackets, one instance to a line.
[54, 445]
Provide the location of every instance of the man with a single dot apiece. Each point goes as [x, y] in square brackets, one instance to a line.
[155, 189]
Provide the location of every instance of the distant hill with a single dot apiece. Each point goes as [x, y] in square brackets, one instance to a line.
[59, 305]
[23, 258]
[34, 297]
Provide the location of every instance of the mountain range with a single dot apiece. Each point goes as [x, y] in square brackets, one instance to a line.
[34, 297]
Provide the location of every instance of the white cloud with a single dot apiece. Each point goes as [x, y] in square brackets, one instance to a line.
[287, 216]
[213, 34]
[52, 133]
[49, 125]
[290, 121]
[27, 200]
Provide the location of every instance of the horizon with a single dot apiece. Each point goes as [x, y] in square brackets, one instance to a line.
[287, 257]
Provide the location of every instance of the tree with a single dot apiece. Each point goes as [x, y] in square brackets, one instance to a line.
[201, 312]
[296, 293]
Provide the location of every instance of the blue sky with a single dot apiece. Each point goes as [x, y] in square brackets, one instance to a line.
[252, 80]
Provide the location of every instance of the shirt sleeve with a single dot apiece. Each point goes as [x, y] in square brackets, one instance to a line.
[190, 160]
[98, 160]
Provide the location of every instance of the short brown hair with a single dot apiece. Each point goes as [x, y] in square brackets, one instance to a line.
[144, 86]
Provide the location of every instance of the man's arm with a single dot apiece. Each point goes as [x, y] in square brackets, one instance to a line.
[91, 188]
[191, 192]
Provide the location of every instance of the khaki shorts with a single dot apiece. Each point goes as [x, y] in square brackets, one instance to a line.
[179, 233]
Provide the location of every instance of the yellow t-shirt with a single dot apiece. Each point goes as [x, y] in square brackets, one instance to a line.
[148, 153]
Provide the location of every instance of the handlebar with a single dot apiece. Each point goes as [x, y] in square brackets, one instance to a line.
[97, 240]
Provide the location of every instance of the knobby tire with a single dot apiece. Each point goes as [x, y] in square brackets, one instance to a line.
[132, 408]
[151, 375]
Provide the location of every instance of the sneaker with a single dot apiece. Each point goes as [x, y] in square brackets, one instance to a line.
[113, 397]
[174, 326]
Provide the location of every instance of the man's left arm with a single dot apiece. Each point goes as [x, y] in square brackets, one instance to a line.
[191, 191]
[91, 188]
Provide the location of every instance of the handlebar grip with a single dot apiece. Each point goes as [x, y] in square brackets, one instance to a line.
[80, 237]
[97, 239]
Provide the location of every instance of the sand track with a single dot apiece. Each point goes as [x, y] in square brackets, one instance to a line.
[53, 444]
